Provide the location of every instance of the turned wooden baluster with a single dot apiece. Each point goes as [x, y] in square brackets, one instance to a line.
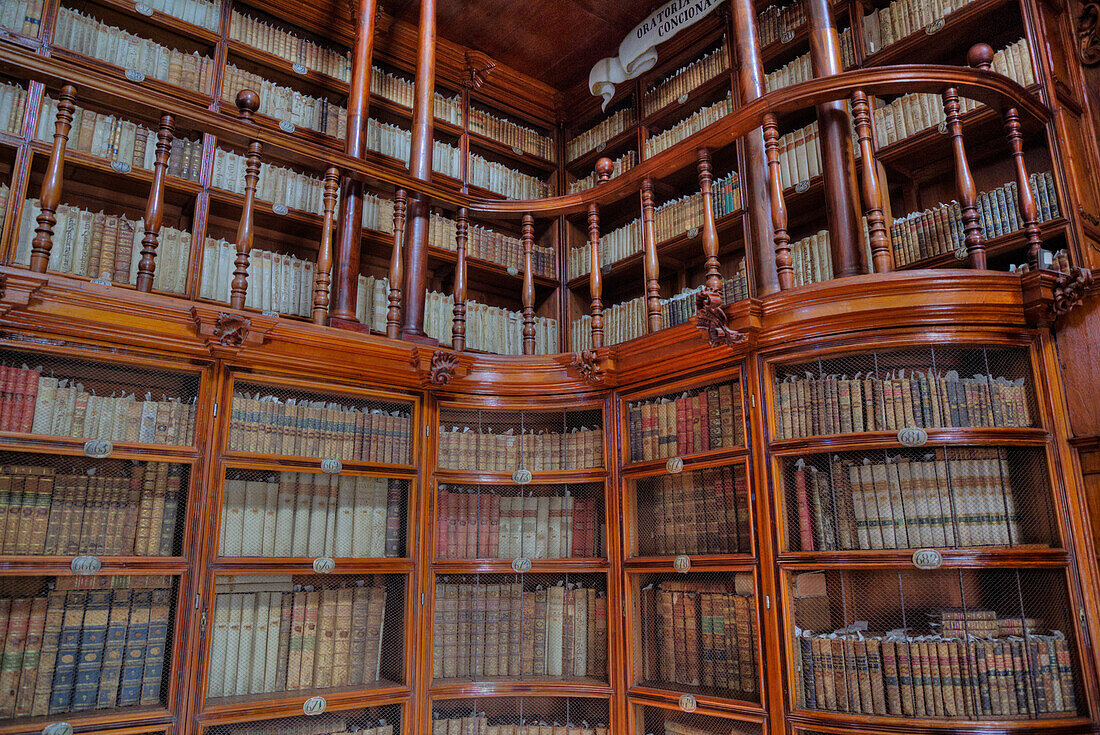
[964, 181]
[52, 181]
[393, 315]
[528, 285]
[604, 169]
[154, 208]
[713, 283]
[652, 265]
[784, 268]
[462, 236]
[882, 256]
[322, 278]
[247, 104]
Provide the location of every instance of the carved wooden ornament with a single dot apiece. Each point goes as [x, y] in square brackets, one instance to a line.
[712, 321]
[442, 368]
[478, 68]
[587, 365]
[1088, 33]
[1070, 289]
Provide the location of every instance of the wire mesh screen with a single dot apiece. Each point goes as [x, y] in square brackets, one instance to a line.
[312, 514]
[699, 420]
[702, 511]
[504, 441]
[926, 387]
[953, 644]
[269, 420]
[513, 521]
[697, 633]
[63, 505]
[940, 497]
[56, 396]
[305, 633]
[520, 626]
[521, 716]
[661, 721]
[383, 720]
[79, 644]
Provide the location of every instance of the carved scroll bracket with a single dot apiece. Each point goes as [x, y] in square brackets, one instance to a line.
[1050, 295]
[589, 366]
[478, 68]
[1088, 33]
[711, 319]
[227, 332]
[437, 367]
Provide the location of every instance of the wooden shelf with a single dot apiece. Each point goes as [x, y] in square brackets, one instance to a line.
[184, 95]
[158, 19]
[657, 466]
[258, 460]
[294, 565]
[995, 247]
[104, 167]
[652, 692]
[889, 439]
[693, 100]
[312, 78]
[962, 27]
[504, 566]
[699, 563]
[610, 148]
[19, 442]
[528, 686]
[485, 477]
[60, 566]
[810, 718]
[257, 705]
[976, 556]
[91, 720]
[518, 155]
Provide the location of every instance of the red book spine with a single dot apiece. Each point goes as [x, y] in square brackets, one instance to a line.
[494, 526]
[484, 521]
[442, 518]
[580, 527]
[29, 395]
[459, 510]
[806, 531]
[683, 423]
[5, 397]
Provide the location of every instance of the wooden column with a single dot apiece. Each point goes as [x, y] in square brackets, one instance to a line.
[349, 238]
[837, 161]
[881, 253]
[50, 196]
[710, 229]
[247, 104]
[781, 255]
[154, 207]
[393, 315]
[754, 177]
[652, 265]
[528, 240]
[458, 328]
[420, 167]
[604, 169]
[322, 276]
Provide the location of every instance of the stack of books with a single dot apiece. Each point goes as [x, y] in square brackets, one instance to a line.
[266, 424]
[377, 213]
[465, 448]
[503, 630]
[511, 133]
[799, 156]
[682, 81]
[775, 23]
[22, 16]
[962, 670]
[482, 724]
[276, 282]
[623, 164]
[693, 124]
[286, 45]
[939, 230]
[884, 26]
[700, 512]
[277, 184]
[269, 635]
[83, 34]
[110, 513]
[600, 133]
[488, 328]
[89, 643]
[483, 243]
[13, 102]
[674, 426]
[801, 68]
[286, 104]
[472, 524]
[812, 259]
[813, 405]
[324, 724]
[304, 514]
[372, 304]
[402, 91]
[700, 634]
[943, 499]
[203, 13]
[508, 182]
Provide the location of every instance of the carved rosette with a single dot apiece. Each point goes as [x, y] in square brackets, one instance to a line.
[441, 369]
[588, 367]
[1070, 290]
[712, 321]
[1088, 33]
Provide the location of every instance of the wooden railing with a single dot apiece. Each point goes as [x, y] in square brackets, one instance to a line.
[1017, 107]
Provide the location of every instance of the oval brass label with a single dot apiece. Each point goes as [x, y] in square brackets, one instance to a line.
[693, 233]
[102, 281]
[286, 126]
[682, 564]
[687, 703]
[522, 477]
[607, 268]
[600, 148]
[280, 209]
[927, 559]
[299, 68]
[787, 36]
[332, 466]
[935, 26]
[802, 187]
[521, 565]
[143, 9]
[942, 127]
[98, 448]
[324, 565]
[682, 99]
[675, 465]
[134, 75]
[85, 565]
[314, 706]
[961, 253]
[517, 150]
[513, 271]
[121, 166]
[913, 436]
[58, 728]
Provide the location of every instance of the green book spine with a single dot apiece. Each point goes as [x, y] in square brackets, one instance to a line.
[92, 639]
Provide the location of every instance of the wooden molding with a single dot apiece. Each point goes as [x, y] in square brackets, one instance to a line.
[17, 288]
[478, 68]
[1049, 295]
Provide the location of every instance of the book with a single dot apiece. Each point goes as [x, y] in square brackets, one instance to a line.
[463, 448]
[719, 423]
[603, 131]
[682, 81]
[534, 723]
[689, 126]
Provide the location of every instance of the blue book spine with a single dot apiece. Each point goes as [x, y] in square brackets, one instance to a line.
[133, 666]
[158, 639]
[68, 650]
[92, 640]
[114, 650]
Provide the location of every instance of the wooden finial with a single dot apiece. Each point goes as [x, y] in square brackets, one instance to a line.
[605, 167]
[980, 56]
[248, 102]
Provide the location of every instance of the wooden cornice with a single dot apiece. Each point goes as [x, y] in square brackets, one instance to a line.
[65, 307]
